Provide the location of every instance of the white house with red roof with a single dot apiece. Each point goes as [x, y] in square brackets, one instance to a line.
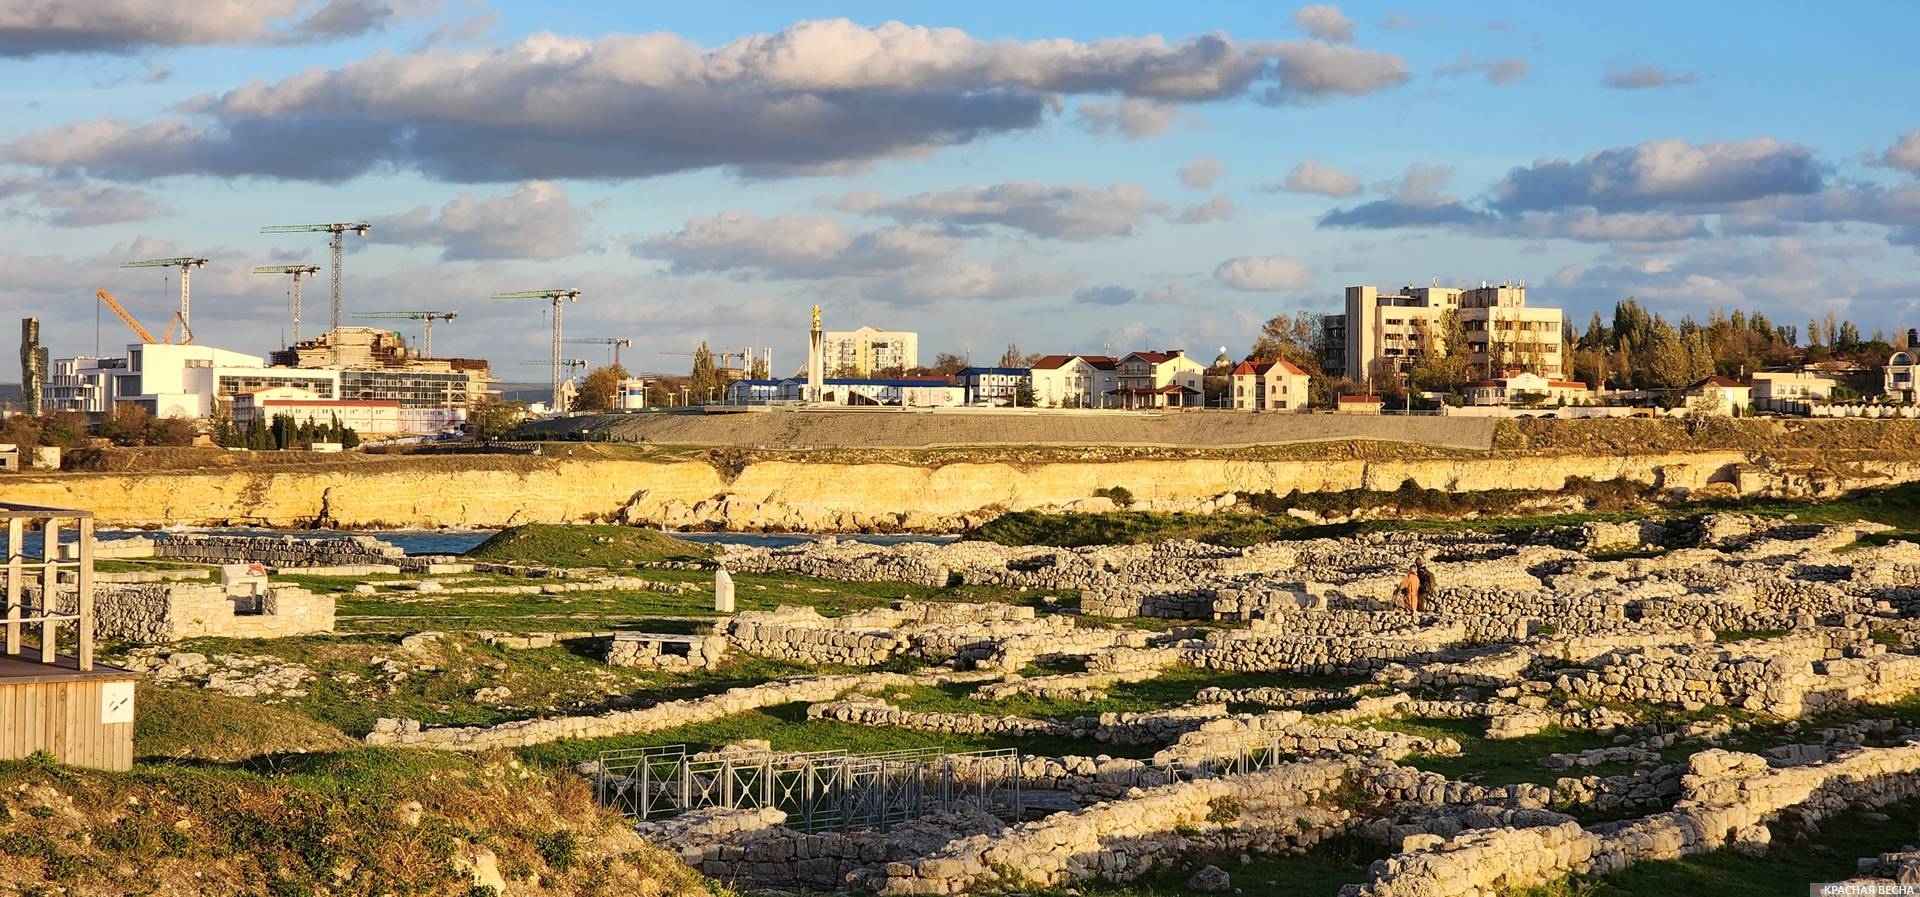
[1163, 379]
[1074, 381]
[1269, 386]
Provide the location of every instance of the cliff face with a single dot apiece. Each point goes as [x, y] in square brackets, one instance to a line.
[833, 497]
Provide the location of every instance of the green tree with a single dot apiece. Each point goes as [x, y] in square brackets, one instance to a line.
[705, 378]
[1023, 394]
[1666, 358]
[493, 418]
[126, 424]
[600, 389]
[65, 429]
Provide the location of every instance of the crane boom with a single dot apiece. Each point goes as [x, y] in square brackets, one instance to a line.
[186, 264]
[338, 229]
[560, 298]
[426, 319]
[126, 316]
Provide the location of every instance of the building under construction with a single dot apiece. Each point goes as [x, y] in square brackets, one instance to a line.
[377, 365]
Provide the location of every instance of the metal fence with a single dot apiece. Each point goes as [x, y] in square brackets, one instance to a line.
[819, 791]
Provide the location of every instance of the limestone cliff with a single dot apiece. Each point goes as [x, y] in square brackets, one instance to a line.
[786, 495]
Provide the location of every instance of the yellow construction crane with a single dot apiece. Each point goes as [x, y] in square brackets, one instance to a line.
[145, 335]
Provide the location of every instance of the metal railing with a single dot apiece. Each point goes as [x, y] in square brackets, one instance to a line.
[819, 791]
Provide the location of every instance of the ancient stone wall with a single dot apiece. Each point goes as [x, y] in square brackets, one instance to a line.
[159, 613]
[278, 551]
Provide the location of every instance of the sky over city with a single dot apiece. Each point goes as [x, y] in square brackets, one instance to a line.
[1070, 177]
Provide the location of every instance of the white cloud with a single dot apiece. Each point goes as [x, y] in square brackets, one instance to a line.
[1326, 22]
[1904, 154]
[1622, 76]
[1218, 208]
[1201, 173]
[817, 96]
[1264, 274]
[1663, 172]
[1130, 118]
[1497, 71]
[35, 27]
[792, 246]
[536, 221]
[1312, 177]
[1055, 211]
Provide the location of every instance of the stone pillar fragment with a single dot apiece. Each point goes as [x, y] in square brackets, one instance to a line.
[722, 591]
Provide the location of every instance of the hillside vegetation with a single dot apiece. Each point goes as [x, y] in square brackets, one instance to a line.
[558, 545]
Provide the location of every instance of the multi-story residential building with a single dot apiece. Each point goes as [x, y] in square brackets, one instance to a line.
[1074, 381]
[993, 386]
[377, 365]
[866, 350]
[1269, 386]
[1719, 395]
[1164, 379]
[1383, 335]
[1786, 390]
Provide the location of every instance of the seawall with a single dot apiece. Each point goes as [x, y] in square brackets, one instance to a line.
[829, 496]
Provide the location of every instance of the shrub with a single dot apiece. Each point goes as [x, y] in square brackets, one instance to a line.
[1121, 496]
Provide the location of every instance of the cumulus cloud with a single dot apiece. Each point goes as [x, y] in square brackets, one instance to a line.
[1416, 202]
[1496, 71]
[792, 246]
[1264, 274]
[820, 95]
[1218, 208]
[1904, 154]
[37, 27]
[1326, 22]
[1054, 211]
[68, 203]
[1620, 76]
[1201, 173]
[1312, 177]
[1662, 172]
[1131, 119]
[1311, 71]
[535, 221]
[1110, 294]
[964, 281]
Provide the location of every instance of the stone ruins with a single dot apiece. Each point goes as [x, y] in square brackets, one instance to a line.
[1669, 646]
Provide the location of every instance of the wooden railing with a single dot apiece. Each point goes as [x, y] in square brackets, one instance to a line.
[21, 569]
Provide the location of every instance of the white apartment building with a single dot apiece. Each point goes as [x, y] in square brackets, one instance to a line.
[1074, 381]
[870, 349]
[1382, 335]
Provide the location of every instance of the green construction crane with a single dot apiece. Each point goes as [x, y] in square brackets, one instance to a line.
[559, 298]
[186, 264]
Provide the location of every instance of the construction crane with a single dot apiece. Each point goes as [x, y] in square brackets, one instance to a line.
[298, 271]
[186, 264]
[339, 231]
[617, 343]
[723, 355]
[560, 298]
[145, 335]
[426, 319]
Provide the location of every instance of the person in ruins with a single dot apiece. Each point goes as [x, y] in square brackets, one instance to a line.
[1415, 586]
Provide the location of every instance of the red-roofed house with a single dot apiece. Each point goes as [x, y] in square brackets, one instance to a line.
[1166, 379]
[1073, 381]
[1269, 386]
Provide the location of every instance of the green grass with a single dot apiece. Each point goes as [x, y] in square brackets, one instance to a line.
[1340, 860]
[1793, 863]
[349, 693]
[564, 545]
[1490, 761]
[1171, 689]
[584, 611]
[788, 728]
[1897, 506]
[187, 722]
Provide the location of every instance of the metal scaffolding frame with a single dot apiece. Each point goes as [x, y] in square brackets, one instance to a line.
[819, 791]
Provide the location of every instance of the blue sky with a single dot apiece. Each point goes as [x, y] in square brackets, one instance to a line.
[983, 173]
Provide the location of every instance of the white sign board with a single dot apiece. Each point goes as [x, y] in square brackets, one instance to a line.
[116, 702]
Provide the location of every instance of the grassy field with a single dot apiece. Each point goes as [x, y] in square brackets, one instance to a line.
[1173, 688]
[1488, 761]
[1795, 860]
[585, 546]
[1897, 506]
